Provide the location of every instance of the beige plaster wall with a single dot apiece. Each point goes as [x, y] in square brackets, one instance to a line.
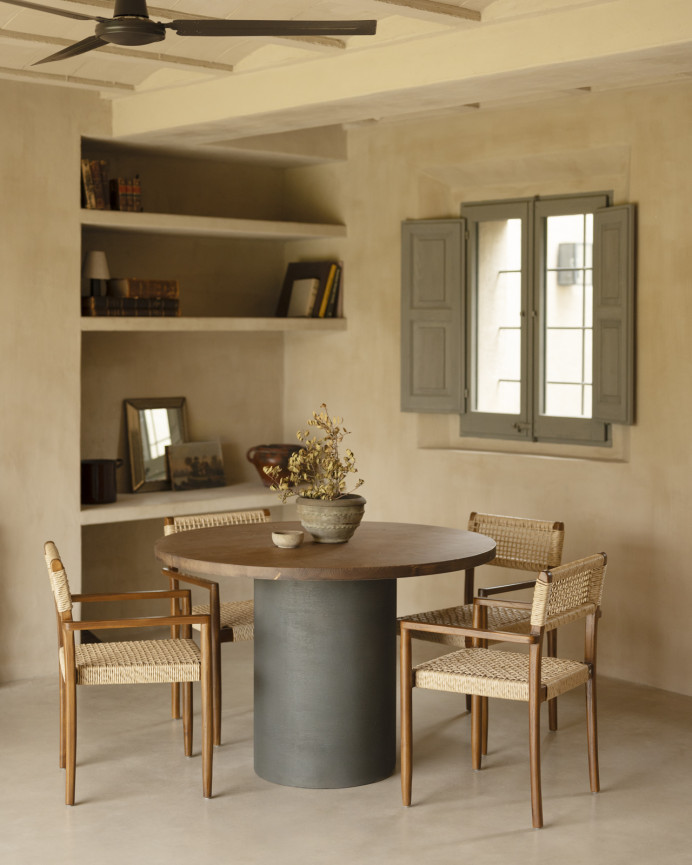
[39, 357]
[637, 507]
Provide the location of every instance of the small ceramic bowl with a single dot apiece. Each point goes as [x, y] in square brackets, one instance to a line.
[287, 540]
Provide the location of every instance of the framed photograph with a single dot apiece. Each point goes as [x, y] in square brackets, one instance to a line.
[195, 465]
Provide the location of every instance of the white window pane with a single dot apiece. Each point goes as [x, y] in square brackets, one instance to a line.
[588, 356]
[564, 304]
[564, 356]
[498, 317]
[564, 400]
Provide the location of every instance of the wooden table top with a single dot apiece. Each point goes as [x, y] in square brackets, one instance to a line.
[377, 551]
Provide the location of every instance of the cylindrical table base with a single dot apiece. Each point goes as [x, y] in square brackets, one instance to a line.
[325, 682]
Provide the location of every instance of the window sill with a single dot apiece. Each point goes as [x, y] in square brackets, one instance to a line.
[441, 432]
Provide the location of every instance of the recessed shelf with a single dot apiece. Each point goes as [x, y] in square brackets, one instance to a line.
[149, 506]
[181, 324]
[207, 226]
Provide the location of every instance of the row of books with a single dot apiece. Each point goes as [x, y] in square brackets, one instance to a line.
[131, 306]
[311, 289]
[134, 287]
[101, 193]
[126, 194]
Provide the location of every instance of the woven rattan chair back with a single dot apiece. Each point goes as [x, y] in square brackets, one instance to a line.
[526, 545]
[58, 578]
[226, 518]
[568, 593]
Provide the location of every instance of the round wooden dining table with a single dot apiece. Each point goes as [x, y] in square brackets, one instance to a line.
[325, 637]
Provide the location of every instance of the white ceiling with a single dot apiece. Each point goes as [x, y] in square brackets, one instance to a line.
[427, 56]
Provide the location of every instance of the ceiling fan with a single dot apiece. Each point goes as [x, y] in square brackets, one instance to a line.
[131, 25]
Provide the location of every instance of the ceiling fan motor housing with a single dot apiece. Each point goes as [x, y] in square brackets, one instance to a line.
[131, 31]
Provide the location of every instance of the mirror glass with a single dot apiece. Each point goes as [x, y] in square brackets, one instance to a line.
[151, 425]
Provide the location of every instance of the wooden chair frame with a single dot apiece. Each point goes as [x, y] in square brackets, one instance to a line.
[219, 635]
[479, 635]
[518, 558]
[67, 627]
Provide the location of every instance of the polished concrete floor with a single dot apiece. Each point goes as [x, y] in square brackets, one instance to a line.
[139, 799]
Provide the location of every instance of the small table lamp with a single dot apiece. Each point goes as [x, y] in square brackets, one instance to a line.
[96, 271]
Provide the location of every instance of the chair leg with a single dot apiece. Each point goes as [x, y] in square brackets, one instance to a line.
[476, 730]
[175, 700]
[484, 726]
[216, 689]
[61, 699]
[208, 731]
[535, 760]
[406, 687]
[175, 634]
[592, 735]
[552, 704]
[70, 729]
[187, 717]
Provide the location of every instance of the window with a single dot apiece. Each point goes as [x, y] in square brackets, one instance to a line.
[520, 317]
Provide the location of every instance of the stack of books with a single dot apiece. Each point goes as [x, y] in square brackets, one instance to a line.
[100, 193]
[136, 297]
[312, 289]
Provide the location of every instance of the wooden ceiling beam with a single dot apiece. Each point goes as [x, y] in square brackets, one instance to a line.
[434, 8]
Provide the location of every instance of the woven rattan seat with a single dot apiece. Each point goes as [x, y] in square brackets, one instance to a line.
[128, 662]
[237, 616]
[232, 621]
[566, 593]
[497, 674]
[136, 662]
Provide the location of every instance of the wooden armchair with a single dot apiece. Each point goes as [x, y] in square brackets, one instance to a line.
[565, 594]
[524, 545]
[231, 621]
[141, 661]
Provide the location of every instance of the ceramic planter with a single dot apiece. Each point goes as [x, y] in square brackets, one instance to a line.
[331, 522]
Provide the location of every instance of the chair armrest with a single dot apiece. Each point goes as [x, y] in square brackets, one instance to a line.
[512, 605]
[149, 622]
[188, 578]
[510, 587]
[131, 596]
[478, 633]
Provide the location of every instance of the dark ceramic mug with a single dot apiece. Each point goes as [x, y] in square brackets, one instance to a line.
[98, 481]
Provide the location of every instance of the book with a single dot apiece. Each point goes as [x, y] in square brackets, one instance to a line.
[133, 287]
[89, 196]
[100, 183]
[332, 304]
[296, 270]
[136, 194]
[320, 310]
[303, 295]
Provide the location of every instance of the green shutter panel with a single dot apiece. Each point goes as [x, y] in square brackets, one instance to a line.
[613, 333]
[431, 331]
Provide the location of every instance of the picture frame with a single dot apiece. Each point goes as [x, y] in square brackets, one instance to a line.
[151, 425]
[195, 466]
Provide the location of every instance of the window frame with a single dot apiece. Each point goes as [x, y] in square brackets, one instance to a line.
[530, 424]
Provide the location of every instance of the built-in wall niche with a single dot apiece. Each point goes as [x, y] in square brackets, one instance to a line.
[216, 277]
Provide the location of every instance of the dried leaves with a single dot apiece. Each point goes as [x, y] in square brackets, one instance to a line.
[317, 471]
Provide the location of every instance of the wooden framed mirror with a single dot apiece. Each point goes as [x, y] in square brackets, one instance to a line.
[152, 424]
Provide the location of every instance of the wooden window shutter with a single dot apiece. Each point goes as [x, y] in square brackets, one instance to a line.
[613, 335]
[432, 271]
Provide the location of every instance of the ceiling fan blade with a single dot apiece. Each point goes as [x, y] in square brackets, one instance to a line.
[40, 8]
[222, 27]
[87, 44]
